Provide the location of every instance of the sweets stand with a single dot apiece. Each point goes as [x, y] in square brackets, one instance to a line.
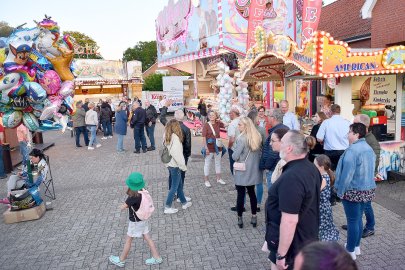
[278, 58]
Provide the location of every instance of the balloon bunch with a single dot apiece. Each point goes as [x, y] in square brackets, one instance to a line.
[36, 84]
[243, 93]
[224, 81]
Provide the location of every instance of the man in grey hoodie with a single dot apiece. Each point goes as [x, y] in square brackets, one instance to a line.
[79, 124]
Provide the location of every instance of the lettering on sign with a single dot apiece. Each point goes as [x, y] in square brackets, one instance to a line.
[303, 58]
[355, 67]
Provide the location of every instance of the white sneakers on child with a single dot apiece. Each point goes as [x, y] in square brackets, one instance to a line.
[170, 210]
[207, 184]
[222, 182]
[187, 205]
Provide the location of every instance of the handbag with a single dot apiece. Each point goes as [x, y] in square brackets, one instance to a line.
[241, 166]
[218, 141]
[165, 156]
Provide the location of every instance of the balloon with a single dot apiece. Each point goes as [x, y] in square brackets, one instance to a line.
[30, 121]
[51, 82]
[12, 119]
[61, 65]
[37, 109]
[37, 60]
[66, 88]
[49, 125]
[20, 103]
[4, 99]
[35, 92]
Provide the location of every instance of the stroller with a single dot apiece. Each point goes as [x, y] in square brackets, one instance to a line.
[193, 119]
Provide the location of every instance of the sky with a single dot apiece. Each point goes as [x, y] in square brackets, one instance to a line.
[114, 24]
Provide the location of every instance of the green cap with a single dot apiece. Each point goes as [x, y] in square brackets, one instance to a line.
[135, 181]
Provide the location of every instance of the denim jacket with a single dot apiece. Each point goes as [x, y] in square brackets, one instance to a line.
[355, 170]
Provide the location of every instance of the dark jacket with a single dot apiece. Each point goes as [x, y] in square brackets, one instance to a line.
[186, 140]
[151, 114]
[163, 113]
[121, 120]
[202, 108]
[269, 158]
[105, 113]
[375, 145]
[318, 149]
[138, 118]
[85, 106]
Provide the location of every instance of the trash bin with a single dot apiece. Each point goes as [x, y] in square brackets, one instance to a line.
[8, 164]
[37, 138]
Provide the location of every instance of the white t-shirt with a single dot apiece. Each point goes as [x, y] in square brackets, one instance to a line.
[233, 130]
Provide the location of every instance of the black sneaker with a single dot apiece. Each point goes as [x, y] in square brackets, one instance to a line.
[137, 152]
[258, 209]
[79, 146]
[151, 148]
[344, 227]
[367, 233]
[234, 209]
[144, 150]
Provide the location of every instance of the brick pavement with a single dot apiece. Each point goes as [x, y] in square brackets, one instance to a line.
[86, 225]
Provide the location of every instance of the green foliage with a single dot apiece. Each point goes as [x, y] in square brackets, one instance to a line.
[144, 51]
[5, 29]
[84, 40]
[153, 82]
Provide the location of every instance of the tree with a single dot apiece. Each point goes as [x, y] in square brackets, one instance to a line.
[144, 51]
[85, 47]
[5, 29]
[153, 82]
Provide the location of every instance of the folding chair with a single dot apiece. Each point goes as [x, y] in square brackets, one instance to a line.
[48, 183]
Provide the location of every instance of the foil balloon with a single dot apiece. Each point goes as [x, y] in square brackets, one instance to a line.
[66, 88]
[11, 83]
[30, 121]
[51, 82]
[38, 61]
[49, 125]
[37, 109]
[35, 92]
[61, 64]
[12, 119]
[20, 103]
[52, 106]
[69, 103]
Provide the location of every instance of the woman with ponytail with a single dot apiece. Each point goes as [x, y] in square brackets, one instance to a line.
[327, 229]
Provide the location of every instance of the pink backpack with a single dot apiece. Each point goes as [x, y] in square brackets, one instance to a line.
[146, 208]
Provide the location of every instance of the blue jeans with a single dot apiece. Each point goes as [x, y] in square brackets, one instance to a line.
[176, 186]
[259, 193]
[369, 213]
[78, 131]
[139, 137]
[24, 152]
[107, 128]
[93, 135]
[268, 178]
[150, 131]
[231, 161]
[120, 142]
[354, 214]
[2, 171]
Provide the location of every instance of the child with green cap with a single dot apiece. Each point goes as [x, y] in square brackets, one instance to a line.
[136, 227]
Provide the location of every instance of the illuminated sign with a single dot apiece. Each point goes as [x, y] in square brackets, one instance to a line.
[355, 67]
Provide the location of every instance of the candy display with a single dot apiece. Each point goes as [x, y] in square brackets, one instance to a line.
[36, 83]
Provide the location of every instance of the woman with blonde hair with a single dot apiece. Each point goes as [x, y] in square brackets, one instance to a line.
[247, 152]
[173, 138]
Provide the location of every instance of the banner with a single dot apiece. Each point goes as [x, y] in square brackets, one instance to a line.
[376, 89]
[134, 69]
[95, 69]
[256, 12]
[311, 16]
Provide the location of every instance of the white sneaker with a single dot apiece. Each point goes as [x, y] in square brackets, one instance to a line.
[353, 254]
[186, 205]
[187, 199]
[98, 145]
[170, 210]
[220, 181]
[207, 184]
[109, 137]
[90, 148]
[104, 138]
[357, 251]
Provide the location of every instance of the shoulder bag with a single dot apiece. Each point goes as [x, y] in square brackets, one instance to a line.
[165, 156]
[218, 141]
[241, 166]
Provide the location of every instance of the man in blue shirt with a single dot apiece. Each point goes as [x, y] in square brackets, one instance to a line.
[289, 118]
[333, 134]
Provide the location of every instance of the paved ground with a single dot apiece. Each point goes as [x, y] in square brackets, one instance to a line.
[86, 225]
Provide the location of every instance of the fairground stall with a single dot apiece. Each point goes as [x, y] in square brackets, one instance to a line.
[365, 81]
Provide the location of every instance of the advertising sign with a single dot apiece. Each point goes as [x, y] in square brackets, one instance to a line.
[187, 30]
[158, 98]
[311, 16]
[95, 69]
[134, 69]
[376, 89]
[234, 25]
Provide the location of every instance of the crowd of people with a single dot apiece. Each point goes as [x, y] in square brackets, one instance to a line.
[302, 173]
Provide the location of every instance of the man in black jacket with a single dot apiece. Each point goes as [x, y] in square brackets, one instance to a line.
[163, 112]
[269, 158]
[138, 124]
[151, 116]
[179, 115]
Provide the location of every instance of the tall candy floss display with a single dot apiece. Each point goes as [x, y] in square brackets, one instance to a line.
[36, 82]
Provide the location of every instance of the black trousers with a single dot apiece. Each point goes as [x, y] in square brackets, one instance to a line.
[241, 198]
[334, 156]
